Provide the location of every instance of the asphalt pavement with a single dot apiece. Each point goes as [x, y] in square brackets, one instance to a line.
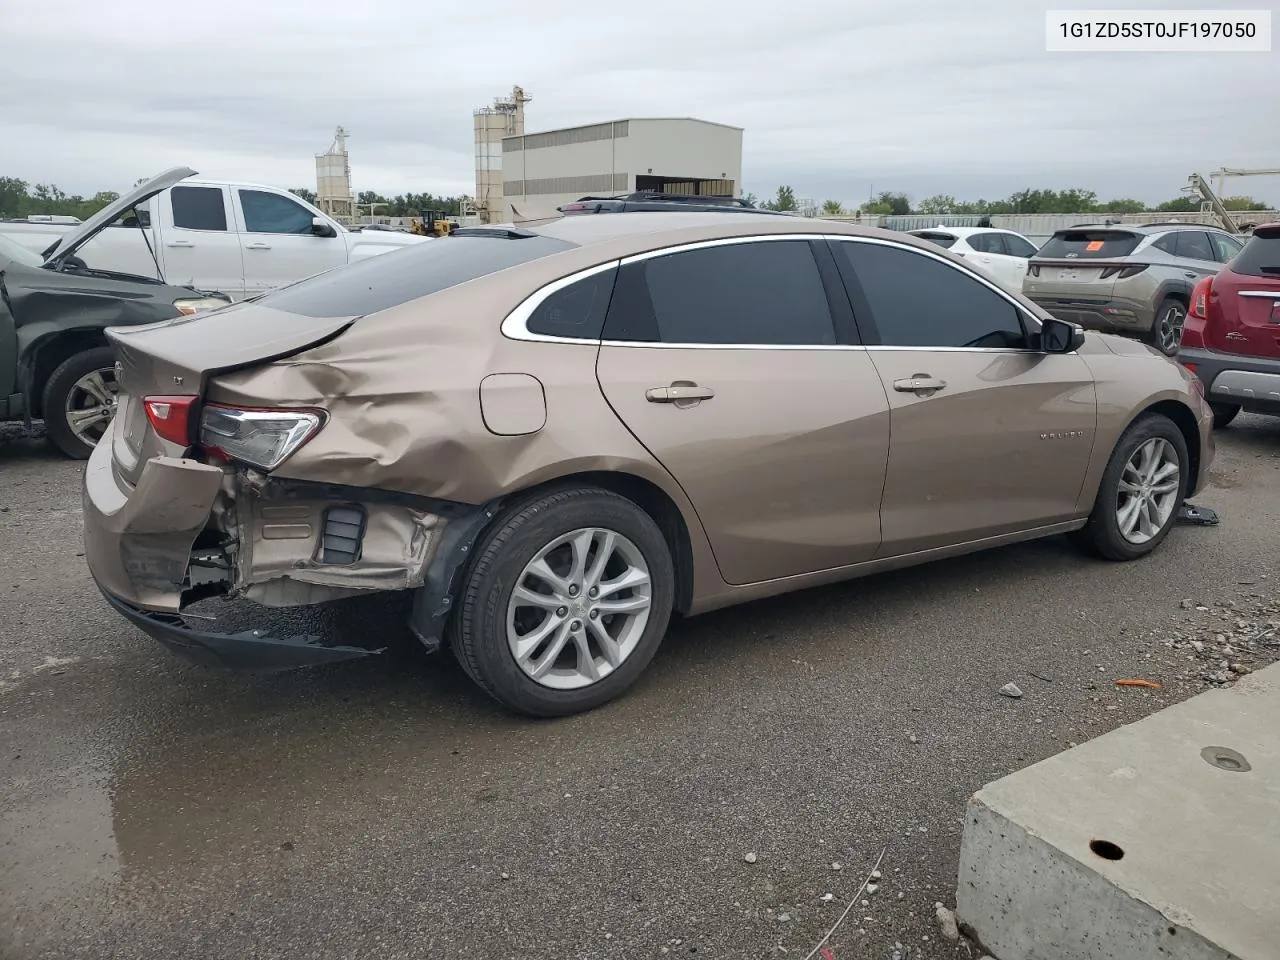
[385, 808]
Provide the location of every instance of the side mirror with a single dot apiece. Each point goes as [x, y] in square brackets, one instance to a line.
[321, 228]
[1059, 336]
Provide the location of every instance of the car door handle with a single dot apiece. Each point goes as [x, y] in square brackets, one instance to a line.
[919, 384]
[257, 246]
[180, 243]
[678, 393]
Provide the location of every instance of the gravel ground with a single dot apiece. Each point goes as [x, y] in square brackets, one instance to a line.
[385, 808]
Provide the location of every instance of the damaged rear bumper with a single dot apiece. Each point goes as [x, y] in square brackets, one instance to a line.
[188, 531]
[253, 650]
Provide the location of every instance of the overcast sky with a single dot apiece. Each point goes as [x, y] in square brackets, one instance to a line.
[837, 97]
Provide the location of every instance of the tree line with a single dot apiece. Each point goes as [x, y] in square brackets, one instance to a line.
[1074, 200]
[20, 199]
[370, 202]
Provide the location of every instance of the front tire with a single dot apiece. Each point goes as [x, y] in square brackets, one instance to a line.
[1142, 488]
[80, 401]
[1166, 329]
[566, 602]
[1223, 414]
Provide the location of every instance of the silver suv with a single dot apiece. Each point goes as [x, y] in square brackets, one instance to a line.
[1127, 278]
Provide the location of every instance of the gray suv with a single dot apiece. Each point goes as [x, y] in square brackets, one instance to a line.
[1127, 278]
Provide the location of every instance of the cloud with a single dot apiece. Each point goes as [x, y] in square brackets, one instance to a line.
[836, 96]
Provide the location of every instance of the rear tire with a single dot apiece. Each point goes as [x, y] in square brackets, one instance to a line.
[83, 386]
[1124, 481]
[553, 650]
[1166, 329]
[1223, 414]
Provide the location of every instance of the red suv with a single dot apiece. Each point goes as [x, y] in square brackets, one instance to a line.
[1231, 338]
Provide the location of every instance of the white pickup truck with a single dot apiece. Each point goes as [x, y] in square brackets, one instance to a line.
[238, 239]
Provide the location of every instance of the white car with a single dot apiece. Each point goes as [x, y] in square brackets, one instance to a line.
[237, 239]
[1000, 254]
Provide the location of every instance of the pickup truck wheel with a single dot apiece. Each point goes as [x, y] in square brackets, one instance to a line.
[80, 400]
[1141, 491]
[566, 602]
[1223, 414]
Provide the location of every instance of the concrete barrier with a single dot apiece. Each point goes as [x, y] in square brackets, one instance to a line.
[1158, 841]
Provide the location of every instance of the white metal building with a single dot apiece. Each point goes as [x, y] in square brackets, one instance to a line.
[541, 171]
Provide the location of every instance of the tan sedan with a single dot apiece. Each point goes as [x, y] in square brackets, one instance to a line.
[558, 434]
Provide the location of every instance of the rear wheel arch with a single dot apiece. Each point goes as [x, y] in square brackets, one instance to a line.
[649, 497]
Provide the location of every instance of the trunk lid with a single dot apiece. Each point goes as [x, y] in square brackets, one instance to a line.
[178, 357]
[71, 241]
[1244, 304]
[1081, 264]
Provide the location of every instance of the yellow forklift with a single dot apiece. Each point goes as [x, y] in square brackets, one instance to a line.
[432, 223]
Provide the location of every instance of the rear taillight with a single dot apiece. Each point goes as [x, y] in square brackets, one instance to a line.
[1122, 273]
[263, 438]
[1200, 299]
[170, 417]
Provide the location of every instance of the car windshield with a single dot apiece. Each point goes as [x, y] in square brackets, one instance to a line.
[1090, 244]
[18, 254]
[391, 279]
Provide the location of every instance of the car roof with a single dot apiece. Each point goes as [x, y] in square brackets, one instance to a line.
[1146, 229]
[636, 233]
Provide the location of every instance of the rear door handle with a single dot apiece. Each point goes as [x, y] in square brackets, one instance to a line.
[180, 243]
[919, 384]
[678, 393]
[257, 246]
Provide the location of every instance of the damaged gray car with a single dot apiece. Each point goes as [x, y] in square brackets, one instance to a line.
[55, 361]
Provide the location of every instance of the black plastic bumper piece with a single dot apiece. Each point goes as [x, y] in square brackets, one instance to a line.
[253, 650]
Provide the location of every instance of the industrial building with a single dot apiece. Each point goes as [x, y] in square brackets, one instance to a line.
[521, 176]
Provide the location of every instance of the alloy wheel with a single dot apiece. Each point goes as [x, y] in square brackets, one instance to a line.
[1169, 327]
[1149, 485]
[91, 404]
[579, 608]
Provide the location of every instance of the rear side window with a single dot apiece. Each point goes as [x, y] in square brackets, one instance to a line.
[943, 240]
[1168, 244]
[1260, 256]
[577, 310]
[198, 208]
[761, 293]
[391, 279]
[986, 243]
[918, 301]
[1194, 245]
[1015, 246]
[1090, 244]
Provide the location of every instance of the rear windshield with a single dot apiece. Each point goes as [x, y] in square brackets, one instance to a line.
[1090, 244]
[390, 279]
[1260, 256]
[941, 239]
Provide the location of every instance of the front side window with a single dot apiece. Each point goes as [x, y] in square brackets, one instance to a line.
[198, 208]
[759, 293]
[271, 213]
[917, 301]
[1224, 247]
